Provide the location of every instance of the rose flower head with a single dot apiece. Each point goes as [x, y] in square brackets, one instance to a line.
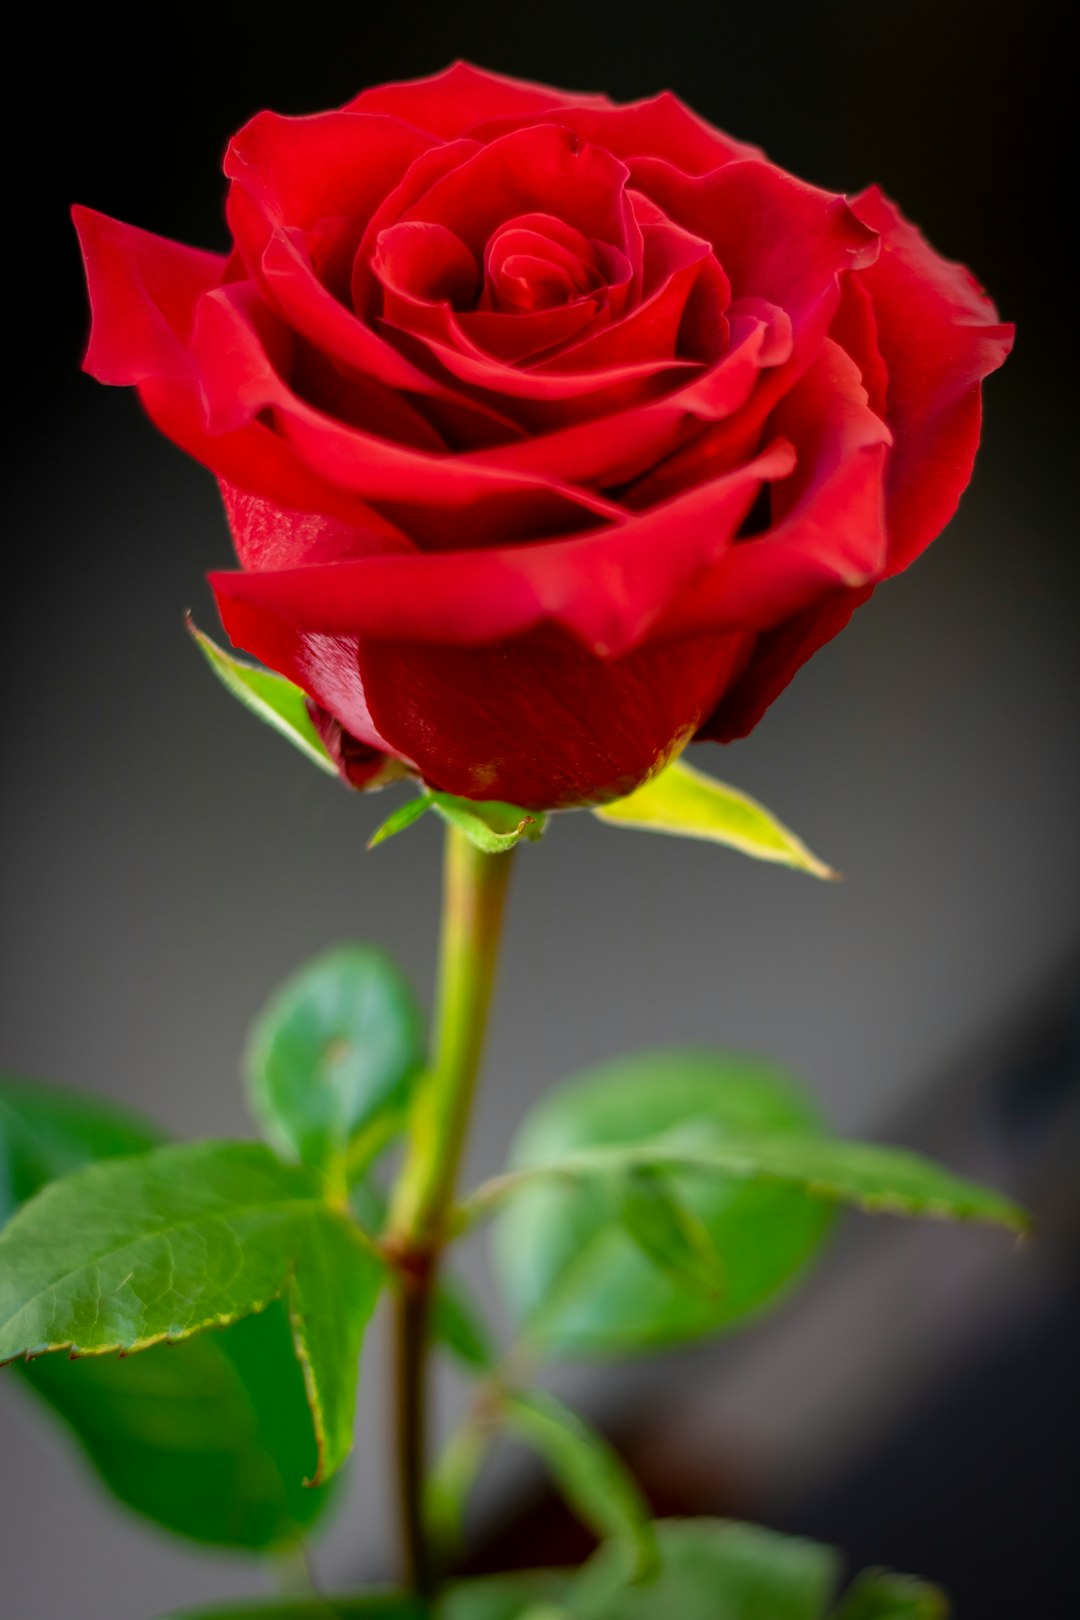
[552, 433]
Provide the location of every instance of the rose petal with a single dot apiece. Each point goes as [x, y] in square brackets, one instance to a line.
[662, 126]
[295, 172]
[532, 170]
[362, 766]
[569, 259]
[425, 271]
[854, 327]
[939, 336]
[538, 720]
[144, 290]
[361, 350]
[611, 450]
[450, 103]
[270, 537]
[673, 261]
[416, 182]
[752, 214]
[608, 588]
[935, 337]
[828, 524]
[239, 381]
[776, 658]
[426, 263]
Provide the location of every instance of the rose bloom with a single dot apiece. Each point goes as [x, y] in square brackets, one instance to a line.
[552, 434]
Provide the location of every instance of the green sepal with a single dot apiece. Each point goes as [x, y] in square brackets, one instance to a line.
[689, 804]
[400, 819]
[270, 697]
[589, 1473]
[332, 1057]
[124, 1254]
[492, 826]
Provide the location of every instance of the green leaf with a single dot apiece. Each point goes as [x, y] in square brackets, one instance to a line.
[359, 1606]
[335, 1286]
[270, 698]
[493, 826]
[120, 1255]
[125, 1254]
[710, 1570]
[458, 1325]
[879, 1180]
[212, 1437]
[332, 1058]
[575, 1279]
[590, 1474]
[672, 1234]
[402, 817]
[688, 803]
[502, 1597]
[878, 1594]
[45, 1131]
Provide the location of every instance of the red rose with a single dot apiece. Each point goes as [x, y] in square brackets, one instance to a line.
[551, 433]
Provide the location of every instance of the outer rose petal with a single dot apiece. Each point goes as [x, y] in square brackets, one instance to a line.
[297, 172]
[662, 127]
[827, 525]
[362, 767]
[270, 537]
[777, 657]
[493, 673]
[939, 337]
[535, 719]
[452, 102]
[753, 214]
[538, 720]
[144, 291]
[608, 588]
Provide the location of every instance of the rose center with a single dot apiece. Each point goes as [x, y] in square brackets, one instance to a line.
[538, 262]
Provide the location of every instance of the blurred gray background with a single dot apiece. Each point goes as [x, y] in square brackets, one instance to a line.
[166, 861]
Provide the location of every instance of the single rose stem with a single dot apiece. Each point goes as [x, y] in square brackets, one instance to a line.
[474, 897]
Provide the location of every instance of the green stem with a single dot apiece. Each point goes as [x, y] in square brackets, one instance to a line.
[473, 902]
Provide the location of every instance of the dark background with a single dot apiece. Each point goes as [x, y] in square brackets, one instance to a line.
[165, 862]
